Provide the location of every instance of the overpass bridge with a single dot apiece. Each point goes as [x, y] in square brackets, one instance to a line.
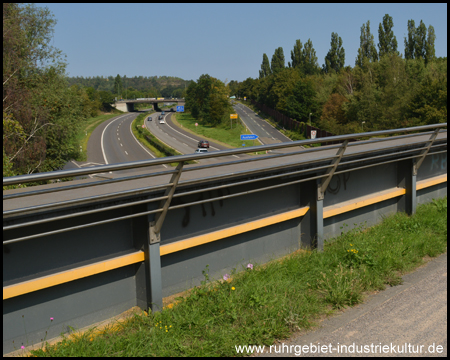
[86, 250]
[128, 105]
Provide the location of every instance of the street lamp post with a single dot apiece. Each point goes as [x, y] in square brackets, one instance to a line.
[310, 119]
[362, 125]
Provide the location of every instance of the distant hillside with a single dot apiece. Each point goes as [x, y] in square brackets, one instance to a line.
[139, 83]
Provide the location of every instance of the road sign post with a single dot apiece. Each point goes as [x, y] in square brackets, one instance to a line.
[233, 116]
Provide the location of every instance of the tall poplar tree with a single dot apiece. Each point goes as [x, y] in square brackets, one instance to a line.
[420, 41]
[265, 67]
[367, 47]
[278, 62]
[410, 43]
[335, 59]
[310, 65]
[429, 48]
[387, 42]
[296, 54]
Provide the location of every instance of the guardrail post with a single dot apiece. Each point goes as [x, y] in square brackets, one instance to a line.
[312, 222]
[153, 268]
[407, 181]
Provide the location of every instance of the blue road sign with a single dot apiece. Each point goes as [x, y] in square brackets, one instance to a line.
[180, 108]
[249, 137]
[243, 144]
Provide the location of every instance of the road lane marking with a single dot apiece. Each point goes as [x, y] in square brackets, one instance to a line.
[126, 153]
[101, 140]
[118, 139]
[121, 145]
[142, 146]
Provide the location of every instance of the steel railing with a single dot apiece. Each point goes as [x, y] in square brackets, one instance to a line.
[418, 152]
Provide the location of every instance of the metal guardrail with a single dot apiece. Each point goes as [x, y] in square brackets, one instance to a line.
[417, 153]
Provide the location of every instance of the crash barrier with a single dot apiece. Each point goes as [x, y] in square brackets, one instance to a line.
[86, 250]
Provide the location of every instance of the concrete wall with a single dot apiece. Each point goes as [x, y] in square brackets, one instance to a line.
[78, 303]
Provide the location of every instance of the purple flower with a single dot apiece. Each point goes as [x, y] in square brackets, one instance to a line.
[250, 266]
[226, 277]
[51, 319]
[22, 347]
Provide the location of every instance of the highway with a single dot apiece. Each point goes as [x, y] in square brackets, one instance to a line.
[258, 126]
[113, 142]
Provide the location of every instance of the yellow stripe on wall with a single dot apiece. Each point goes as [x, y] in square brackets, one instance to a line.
[360, 202]
[231, 231]
[70, 275]
[431, 182]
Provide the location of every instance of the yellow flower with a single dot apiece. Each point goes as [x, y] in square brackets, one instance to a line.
[170, 326]
[233, 288]
[167, 330]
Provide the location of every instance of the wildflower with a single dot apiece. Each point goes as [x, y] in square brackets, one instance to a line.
[170, 326]
[226, 277]
[167, 330]
[22, 347]
[233, 288]
[250, 266]
[51, 319]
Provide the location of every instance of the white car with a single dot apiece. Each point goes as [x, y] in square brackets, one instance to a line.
[201, 151]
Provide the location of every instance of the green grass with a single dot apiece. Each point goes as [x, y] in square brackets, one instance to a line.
[222, 134]
[88, 127]
[271, 301]
[147, 139]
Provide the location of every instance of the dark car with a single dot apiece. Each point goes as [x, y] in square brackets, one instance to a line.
[203, 144]
[149, 118]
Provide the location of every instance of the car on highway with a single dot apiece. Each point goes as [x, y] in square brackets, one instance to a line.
[201, 151]
[149, 118]
[203, 144]
[162, 112]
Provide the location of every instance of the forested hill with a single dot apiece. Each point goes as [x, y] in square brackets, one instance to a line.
[162, 85]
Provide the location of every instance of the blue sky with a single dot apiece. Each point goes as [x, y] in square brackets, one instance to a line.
[226, 41]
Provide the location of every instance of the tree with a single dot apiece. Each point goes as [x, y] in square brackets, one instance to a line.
[420, 41]
[40, 113]
[118, 87]
[429, 47]
[278, 62]
[296, 55]
[367, 49]
[301, 101]
[387, 42]
[265, 67]
[310, 65]
[335, 59]
[410, 43]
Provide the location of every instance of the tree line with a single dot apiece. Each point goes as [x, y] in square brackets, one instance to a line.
[383, 90]
[134, 87]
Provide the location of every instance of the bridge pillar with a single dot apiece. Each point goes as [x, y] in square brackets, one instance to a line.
[155, 107]
[130, 107]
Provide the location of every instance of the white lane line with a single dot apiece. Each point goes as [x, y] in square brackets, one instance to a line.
[212, 147]
[121, 145]
[185, 144]
[101, 139]
[126, 153]
[73, 162]
[118, 139]
[142, 146]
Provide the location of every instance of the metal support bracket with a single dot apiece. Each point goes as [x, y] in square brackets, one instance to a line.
[159, 218]
[418, 161]
[154, 237]
[330, 171]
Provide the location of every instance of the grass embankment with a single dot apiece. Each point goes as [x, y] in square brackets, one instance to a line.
[87, 129]
[147, 139]
[222, 134]
[269, 302]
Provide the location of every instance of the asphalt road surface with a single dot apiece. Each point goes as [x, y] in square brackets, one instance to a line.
[267, 134]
